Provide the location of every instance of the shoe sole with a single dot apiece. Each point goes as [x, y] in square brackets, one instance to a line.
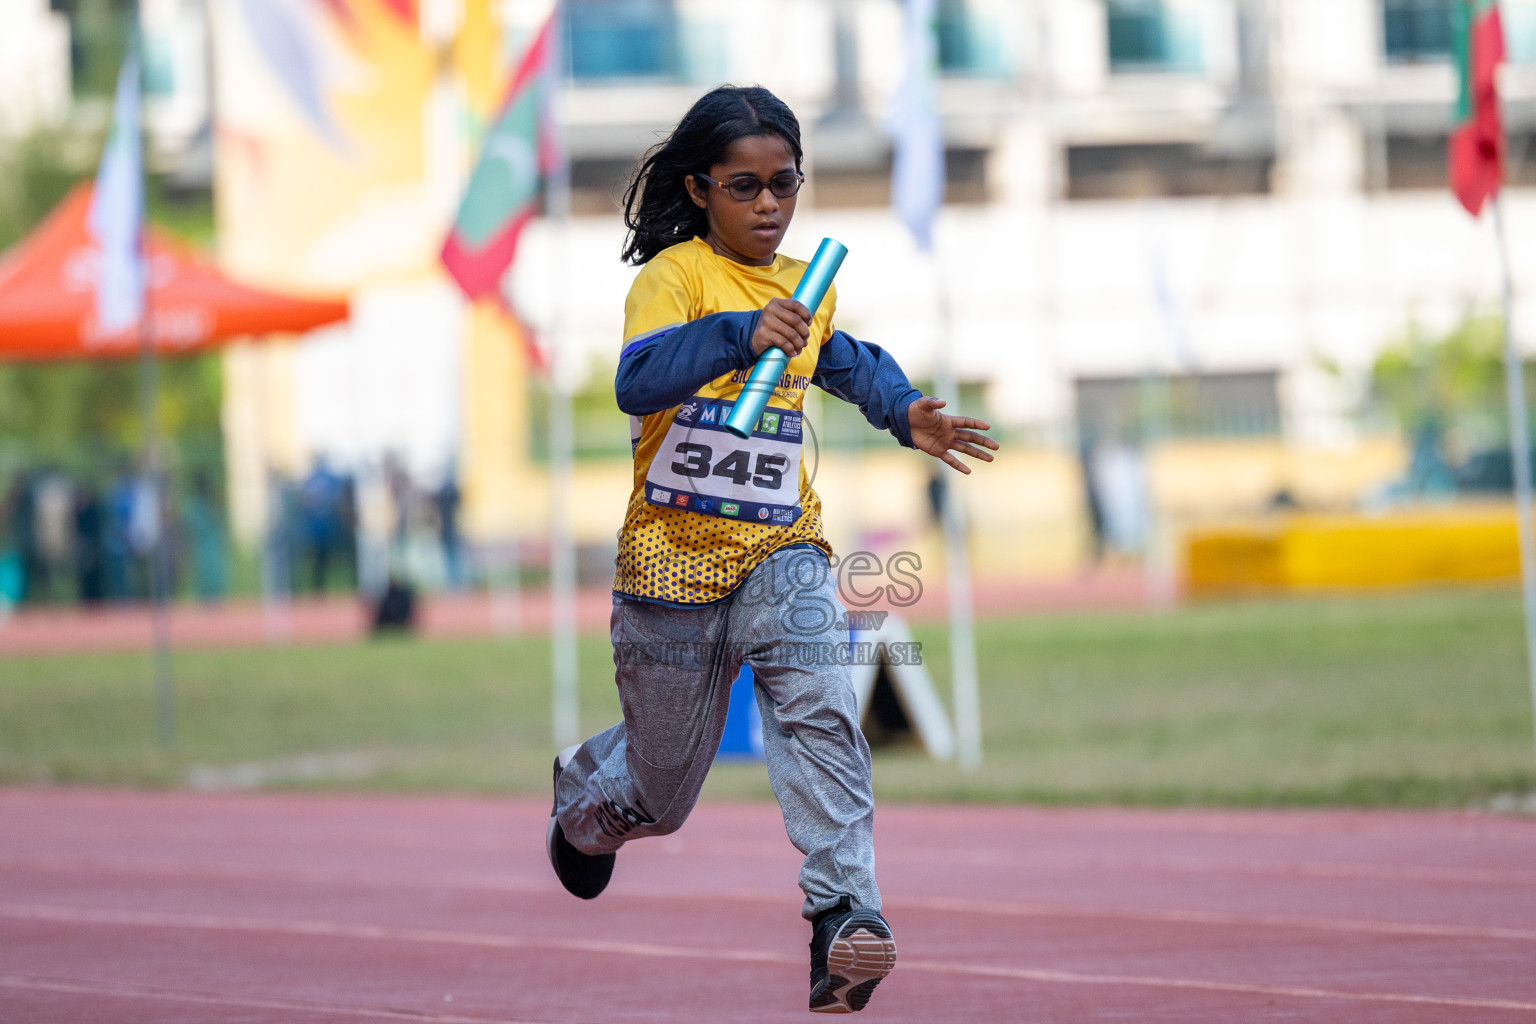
[551, 830]
[858, 958]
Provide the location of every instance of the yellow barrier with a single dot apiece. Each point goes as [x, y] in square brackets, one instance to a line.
[1401, 548]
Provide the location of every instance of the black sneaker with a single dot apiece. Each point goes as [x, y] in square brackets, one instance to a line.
[851, 950]
[582, 874]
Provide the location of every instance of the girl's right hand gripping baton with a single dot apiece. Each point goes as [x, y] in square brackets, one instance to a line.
[770, 365]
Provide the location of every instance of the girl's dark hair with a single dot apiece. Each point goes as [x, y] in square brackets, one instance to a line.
[657, 209]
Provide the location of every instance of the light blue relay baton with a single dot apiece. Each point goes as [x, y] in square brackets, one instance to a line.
[770, 365]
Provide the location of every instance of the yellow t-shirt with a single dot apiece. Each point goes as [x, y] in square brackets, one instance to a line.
[707, 507]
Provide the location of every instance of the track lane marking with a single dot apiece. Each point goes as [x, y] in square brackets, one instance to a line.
[1011, 860]
[329, 929]
[118, 991]
[1196, 984]
[1218, 917]
[992, 908]
[473, 813]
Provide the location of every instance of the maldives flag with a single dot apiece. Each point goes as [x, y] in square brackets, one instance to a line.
[503, 192]
[1477, 136]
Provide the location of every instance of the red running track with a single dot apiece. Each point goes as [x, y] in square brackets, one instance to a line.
[243, 623]
[133, 907]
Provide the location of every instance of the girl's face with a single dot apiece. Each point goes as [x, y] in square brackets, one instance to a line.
[748, 232]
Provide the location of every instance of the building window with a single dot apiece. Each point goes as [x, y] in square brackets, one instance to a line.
[1178, 405]
[1419, 161]
[616, 39]
[965, 182]
[1132, 171]
[1145, 36]
[1519, 30]
[1415, 30]
[968, 45]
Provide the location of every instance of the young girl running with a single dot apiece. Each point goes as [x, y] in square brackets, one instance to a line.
[721, 558]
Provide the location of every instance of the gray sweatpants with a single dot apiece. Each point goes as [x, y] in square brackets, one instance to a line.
[674, 668]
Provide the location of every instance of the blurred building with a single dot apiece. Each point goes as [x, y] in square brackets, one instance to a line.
[34, 67]
[1190, 219]
[178, 91]
[1185, 187]
[59, 60]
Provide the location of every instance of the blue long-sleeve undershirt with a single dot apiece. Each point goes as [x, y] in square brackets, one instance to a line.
[867, 376]
[668, 367]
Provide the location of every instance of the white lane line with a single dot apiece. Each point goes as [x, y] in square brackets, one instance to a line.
[330, 929]
[1215, 866]
[993, 908]
[1152, 981]
[1014, 861]
[1214, 917]
[87, 988]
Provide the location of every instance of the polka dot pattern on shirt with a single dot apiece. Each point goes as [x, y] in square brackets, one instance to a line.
[694, 558]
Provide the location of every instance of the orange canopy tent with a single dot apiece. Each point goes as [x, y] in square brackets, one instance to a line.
[48, 303]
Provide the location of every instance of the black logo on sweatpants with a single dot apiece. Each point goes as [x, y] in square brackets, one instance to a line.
[619, 822]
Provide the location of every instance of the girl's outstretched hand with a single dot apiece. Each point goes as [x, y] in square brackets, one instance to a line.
[784, 324]
[940, 435]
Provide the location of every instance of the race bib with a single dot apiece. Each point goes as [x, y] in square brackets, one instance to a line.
[703, 467]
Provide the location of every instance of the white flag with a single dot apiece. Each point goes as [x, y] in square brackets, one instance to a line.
[917, 171]
[117, 212]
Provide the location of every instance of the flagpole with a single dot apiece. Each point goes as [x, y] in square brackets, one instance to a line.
[565, 719]
[964, 682]
[153, 488]
[917, 192]
[156, 489]
[1520, 446]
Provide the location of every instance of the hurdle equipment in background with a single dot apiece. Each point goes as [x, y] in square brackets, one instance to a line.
[743, 736]
[895, 697]
[1402, 548]
[769, 367]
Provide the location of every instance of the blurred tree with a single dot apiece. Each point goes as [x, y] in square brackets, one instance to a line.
[79, 413]
[99, 31]
[1447, 391]
[36, 171]
[69, 412]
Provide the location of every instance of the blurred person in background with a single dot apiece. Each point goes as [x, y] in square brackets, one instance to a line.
[54, 529]
[937, 495]
[1429, 476]
[1119, 469]
[118, 571]
[90, 525]
[210, 545]
[404, 501]
[402, 494]
[278, 548]
[347, 519]
[13, 578]
[1093, 502]
[146, 525]
[320, 514]
[24, 532]
[446, 501]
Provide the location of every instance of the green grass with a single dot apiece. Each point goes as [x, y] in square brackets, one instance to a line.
[1407, 700]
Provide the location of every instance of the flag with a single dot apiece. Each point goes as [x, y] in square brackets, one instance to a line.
[503, 192]
[298, 56]
[405, 10]
[917, 167]
[116, 218]
[1476, 148]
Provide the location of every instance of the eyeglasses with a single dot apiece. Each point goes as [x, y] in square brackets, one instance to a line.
[745, 187]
